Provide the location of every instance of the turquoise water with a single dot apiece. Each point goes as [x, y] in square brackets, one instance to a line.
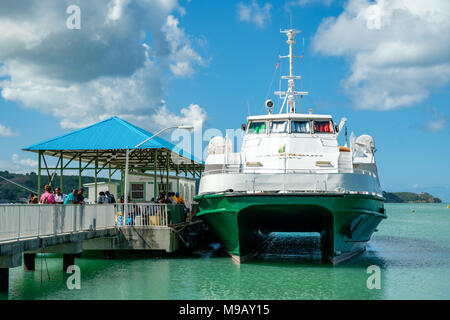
[412, 250]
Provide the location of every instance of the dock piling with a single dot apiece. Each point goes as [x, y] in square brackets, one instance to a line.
[4, 279]
[29, 261]
[68, 260]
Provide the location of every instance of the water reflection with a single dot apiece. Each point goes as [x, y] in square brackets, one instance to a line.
[412, 251]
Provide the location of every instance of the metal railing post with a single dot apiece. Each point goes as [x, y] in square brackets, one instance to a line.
[39, 221]
[74, 210]
[18, 231]
[166, 217]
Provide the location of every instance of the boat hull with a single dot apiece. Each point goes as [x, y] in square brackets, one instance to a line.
[243, 221]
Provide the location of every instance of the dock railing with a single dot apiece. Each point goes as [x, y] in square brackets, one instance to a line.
[21, 221]
[142, 214]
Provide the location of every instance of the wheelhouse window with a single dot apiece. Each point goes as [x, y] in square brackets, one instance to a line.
[300, 127]
[257, 127]
[323, 127]
[279, 127]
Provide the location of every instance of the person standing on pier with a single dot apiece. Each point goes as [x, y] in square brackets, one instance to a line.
[33, 199]
[59, 197]
[72, 197]
[102, 198]
[80, 197]
[47, 197]
[110, 197]
[180, 199]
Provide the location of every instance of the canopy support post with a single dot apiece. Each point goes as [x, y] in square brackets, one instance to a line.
[167, 173]
[121, 184]
[178, 178]
[61, 173]
[39, 175]
[155, 176]
[79, 173]
[95, 176]
[109, 174]
[50, 179]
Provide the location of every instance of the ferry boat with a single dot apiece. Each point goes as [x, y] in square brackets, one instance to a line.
[291, 175]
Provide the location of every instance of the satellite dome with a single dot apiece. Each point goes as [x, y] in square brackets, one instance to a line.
[218, 145]
[365, 142]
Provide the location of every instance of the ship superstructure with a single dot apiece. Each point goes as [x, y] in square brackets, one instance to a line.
[292, 175]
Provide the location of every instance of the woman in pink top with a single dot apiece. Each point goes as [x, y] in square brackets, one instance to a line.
[48, 196]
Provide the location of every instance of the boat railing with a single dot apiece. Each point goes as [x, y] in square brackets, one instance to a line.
[261, 170]
[142, 214]
[22, 221]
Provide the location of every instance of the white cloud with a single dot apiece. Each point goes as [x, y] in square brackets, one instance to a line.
[398, 49]
[27, 162]
[18, 165]
[438, 122]
[116, 64]
[115, 9]
[6, 131]
[193, 115]
[182, 55]
[253, 13]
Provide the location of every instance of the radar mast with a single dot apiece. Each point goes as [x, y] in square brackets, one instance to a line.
[289, 95]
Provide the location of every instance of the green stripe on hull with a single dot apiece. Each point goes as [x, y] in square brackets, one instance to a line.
[241, 221]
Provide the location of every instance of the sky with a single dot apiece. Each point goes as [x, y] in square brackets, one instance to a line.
[383, 64]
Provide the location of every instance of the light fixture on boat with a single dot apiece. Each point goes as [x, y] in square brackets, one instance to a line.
[269, 105]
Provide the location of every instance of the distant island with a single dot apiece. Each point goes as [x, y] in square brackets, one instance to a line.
[410, 197]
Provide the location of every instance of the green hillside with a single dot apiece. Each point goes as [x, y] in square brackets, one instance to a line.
[12, 193]
[408, 197]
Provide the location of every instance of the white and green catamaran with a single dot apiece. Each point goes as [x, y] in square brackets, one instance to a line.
[291, 175]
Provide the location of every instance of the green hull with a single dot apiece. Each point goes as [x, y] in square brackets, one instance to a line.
[243, 221]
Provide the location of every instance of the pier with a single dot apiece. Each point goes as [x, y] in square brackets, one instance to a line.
[70, 229]
[148, 165]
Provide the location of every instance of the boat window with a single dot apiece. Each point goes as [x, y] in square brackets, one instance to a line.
[279, 127]
[257, 127]
[323, 127]
[300, 127]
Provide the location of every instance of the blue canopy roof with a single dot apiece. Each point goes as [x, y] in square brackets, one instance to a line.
[110, 134]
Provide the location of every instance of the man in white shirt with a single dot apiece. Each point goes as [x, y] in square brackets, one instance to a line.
[59, 197]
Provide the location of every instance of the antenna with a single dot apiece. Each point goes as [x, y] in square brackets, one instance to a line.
[290, 94]
[346, 140]
[303, 47]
